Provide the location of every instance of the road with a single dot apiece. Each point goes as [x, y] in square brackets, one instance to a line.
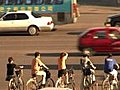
[21, 46]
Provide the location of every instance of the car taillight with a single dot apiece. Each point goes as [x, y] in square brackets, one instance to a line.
[49, 23]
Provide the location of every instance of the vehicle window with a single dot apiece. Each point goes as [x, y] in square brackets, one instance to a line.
[17, 2]
[8, 2]
[57, 1]
[48, 1]
[21, 16]
[1, 2]
[28, 2]
[100, 35]
[36, 15]
[39, 2]
[114, 35]
[9, 17]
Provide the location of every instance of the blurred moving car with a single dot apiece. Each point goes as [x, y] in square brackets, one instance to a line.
[113, 20]
[100, 39]
[27, 21]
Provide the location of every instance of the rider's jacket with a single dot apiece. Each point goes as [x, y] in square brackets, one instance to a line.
[109, 64]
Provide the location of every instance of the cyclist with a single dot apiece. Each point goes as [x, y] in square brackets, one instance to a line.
[110, 66]
[37, 68]
[10, 68]
[87, 66]
[62, 66]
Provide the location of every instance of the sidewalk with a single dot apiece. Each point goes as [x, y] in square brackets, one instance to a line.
[86, 9]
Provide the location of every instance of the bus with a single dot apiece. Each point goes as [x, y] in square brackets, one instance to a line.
[62, 11]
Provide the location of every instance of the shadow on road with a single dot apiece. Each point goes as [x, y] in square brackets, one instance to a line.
[71, 54]
[14, 33]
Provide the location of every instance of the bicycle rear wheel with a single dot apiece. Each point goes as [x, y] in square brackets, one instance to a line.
[20, 84]
[31, 85]
[12, 84]
[50, 83]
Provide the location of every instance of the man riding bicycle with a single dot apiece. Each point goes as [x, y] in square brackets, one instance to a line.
[110, 66]
[37, 68]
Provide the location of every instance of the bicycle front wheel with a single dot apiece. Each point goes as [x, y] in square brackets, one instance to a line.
[60, 83]
[12, 84]
[50, 83]
[71, 85]
[20, 84]
[105, 85]
[31, 85]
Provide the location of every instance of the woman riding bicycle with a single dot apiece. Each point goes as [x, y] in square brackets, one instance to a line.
[62, 66]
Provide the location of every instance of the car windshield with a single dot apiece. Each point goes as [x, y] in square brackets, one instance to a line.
[114, 35]
[2, 14]
[36, 15]
[83, 33]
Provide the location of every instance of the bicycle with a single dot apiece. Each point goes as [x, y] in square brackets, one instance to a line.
[16, 82]
[88, 82]
[110, 83]
[35, 84]
[62, 82]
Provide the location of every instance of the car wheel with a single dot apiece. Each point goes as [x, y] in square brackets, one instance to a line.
[117, 25]
[32, 30]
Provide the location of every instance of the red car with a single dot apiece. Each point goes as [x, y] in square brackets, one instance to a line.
[100, 39]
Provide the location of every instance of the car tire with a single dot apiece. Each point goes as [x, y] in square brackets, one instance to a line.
[32, 30]
[117, 25]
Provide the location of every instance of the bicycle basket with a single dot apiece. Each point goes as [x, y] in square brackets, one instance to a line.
[18, 72]
[86, 71]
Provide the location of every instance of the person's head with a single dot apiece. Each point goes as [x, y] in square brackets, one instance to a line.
[10, 59]
[109, 55]
[64, 54]
[37, 55]
[86, 52]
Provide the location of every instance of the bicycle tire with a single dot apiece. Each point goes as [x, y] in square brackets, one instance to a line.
[50, 83]
[72, 84]
[31, 85]
[11, 84]
[105, 85]
[86, 82]
[59, 83]
[114, 86]
[20, 84]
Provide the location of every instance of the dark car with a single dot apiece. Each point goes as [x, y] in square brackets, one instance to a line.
[100, 39]
[113, 20]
